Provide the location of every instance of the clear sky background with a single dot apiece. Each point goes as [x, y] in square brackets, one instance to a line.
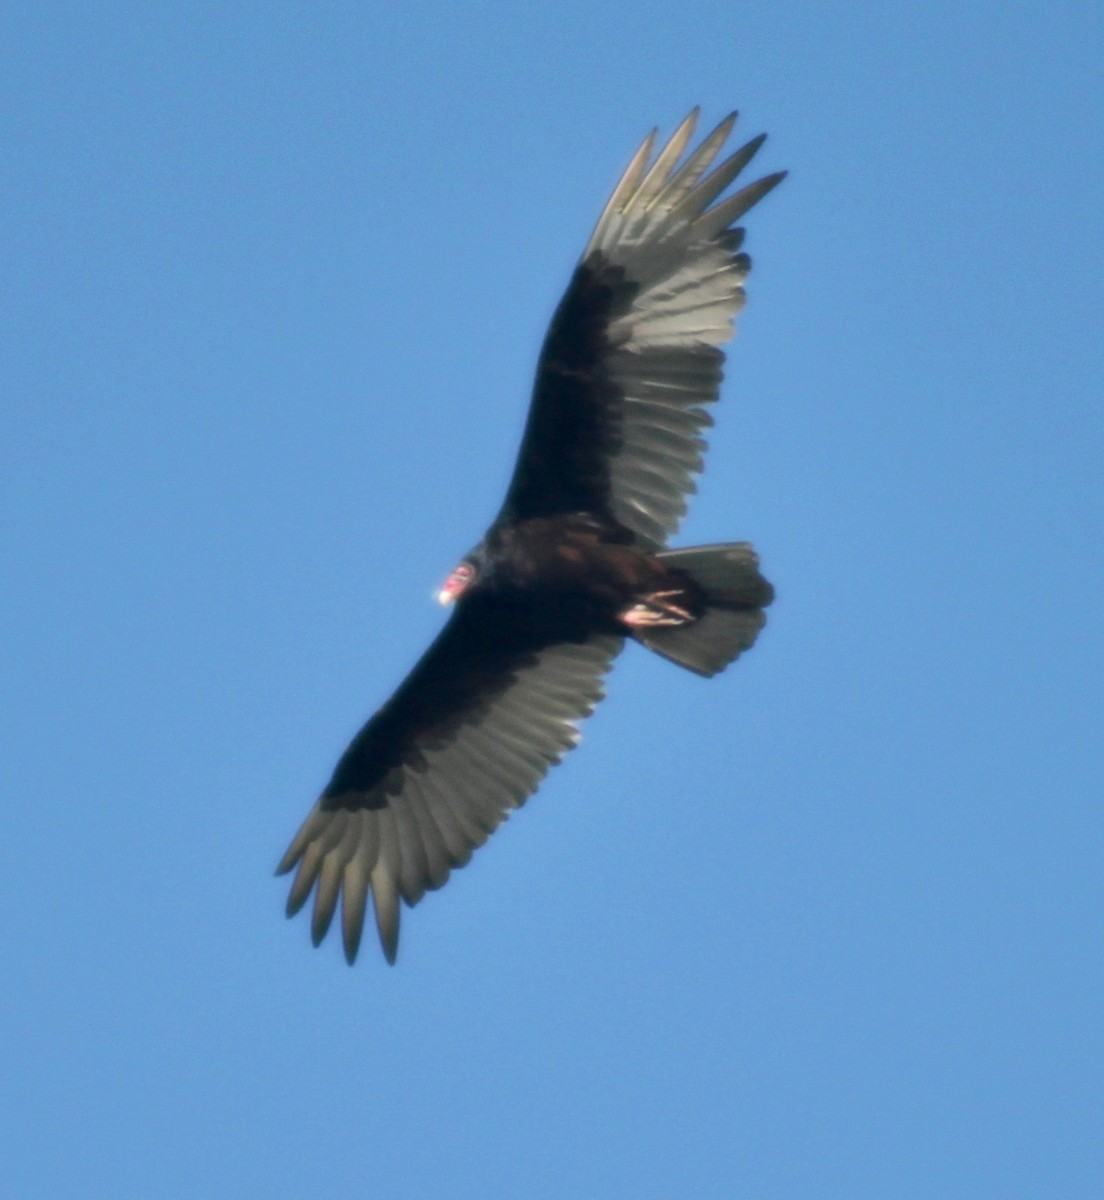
[274, 277]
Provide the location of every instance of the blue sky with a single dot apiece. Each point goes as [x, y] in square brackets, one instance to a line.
[275, 277]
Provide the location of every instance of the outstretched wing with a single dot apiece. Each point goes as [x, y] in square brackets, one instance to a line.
[468, 736]
[632, 353]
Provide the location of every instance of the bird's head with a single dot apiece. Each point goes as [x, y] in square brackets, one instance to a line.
[461, 578]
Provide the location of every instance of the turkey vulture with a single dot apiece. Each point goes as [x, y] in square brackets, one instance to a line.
[574, 562]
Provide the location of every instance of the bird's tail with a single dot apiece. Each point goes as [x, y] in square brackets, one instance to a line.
[735, 595]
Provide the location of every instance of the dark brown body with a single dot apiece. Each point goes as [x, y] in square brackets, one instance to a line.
[574, 569]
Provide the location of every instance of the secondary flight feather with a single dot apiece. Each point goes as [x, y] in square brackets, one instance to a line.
[574, 563]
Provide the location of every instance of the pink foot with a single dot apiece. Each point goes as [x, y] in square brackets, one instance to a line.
[654, 611]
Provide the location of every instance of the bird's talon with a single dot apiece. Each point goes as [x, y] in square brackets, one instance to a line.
[656, 611]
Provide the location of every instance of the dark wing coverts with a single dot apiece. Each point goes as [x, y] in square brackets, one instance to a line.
[632, 353]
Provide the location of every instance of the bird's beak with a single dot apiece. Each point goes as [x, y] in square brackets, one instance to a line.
[453, 586]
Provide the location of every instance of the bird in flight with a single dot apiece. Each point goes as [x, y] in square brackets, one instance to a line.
[574, 563]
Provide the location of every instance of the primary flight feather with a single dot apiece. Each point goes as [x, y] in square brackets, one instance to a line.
[574, 562]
